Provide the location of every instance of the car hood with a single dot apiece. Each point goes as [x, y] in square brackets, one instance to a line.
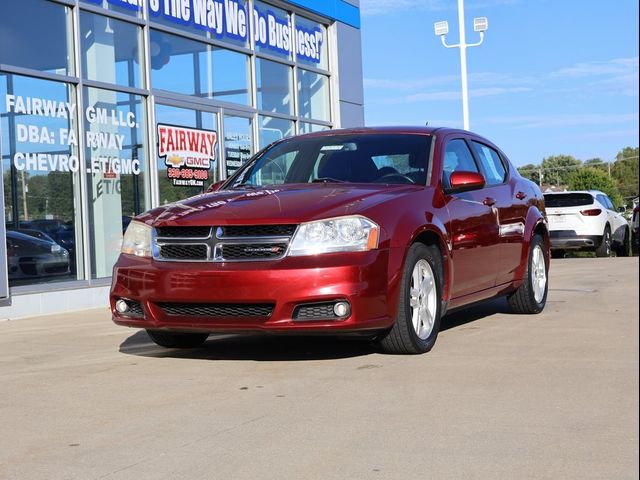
[285, 204]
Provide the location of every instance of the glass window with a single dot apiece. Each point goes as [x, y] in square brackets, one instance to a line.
[42, 41]
[275, 86]
[238, 145]
[41, 180]
[567, 199]
[304, 127]
[194, 68]
[604, 200]
[226, 20]
[111, 50]
[230, 79]
[121, 6]
[115, 154]
[273, 32]
[313, 95]
[311, 43]
[492, 165]
[274, 170]
[174, 184]
[353, 158]
[457, 158]
[272, 129]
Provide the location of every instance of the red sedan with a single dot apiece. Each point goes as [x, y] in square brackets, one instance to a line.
[377, 231]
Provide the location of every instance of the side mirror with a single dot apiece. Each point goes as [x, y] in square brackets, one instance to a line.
[465, 181]
[215, 186]
[621, 209]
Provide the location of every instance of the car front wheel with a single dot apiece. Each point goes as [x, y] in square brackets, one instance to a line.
[418, 320]
[177, 340]
[531, 296]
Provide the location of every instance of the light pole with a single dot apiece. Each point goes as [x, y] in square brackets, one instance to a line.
[480, 24]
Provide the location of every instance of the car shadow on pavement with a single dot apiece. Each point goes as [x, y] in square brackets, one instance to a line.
[275, 348]
[270, 348]
[475, 312]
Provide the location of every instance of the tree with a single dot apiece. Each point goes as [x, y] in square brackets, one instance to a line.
[625, 172]
[598, 163]
[530, 171]
[556, 169]
[590, 178]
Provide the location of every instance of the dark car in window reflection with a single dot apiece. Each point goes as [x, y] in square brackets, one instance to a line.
[58, 231]
[29, 257]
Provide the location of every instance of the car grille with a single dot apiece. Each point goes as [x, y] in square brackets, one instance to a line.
[318, 311]
[135, 309]
[184, 232]
[258, 231]
[184, 252]
[234, 243]
[217, 309]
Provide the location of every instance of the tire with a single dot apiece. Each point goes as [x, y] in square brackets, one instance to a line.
[531, 296]
[420, 304]
[624, 250]
[177, 340]
[604, 250]
[634, 243]
[557, 253]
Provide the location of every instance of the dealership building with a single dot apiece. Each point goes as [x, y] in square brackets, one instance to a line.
[111, 107]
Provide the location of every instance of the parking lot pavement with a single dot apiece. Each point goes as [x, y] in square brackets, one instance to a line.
[501, 396]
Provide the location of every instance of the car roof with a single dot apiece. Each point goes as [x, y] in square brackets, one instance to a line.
[411, 130]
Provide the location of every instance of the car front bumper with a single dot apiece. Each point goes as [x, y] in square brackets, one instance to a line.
[361, 279]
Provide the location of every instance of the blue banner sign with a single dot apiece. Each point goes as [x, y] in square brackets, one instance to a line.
[230, 19]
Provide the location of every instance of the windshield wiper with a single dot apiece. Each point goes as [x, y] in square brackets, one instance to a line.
[246, 186]
[328, 180]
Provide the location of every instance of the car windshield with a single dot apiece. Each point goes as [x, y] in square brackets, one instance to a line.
[568, 200]
[356, 158]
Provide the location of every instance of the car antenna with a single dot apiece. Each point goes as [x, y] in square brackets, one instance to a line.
[426, 124]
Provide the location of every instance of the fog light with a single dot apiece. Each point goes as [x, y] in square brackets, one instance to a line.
[341, 309]
[122, 306]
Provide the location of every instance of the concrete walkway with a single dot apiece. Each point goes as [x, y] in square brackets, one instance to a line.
[552, 396]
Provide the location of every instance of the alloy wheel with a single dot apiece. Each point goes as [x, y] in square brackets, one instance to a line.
[538, 274]
[423, 299]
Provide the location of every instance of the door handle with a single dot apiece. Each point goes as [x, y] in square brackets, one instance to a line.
[489, 202]
[521, 195]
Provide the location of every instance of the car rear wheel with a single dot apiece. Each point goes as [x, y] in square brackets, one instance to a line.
[624, 250]
[531, 296]
[177, 340]
[418, 321]
[604, 250]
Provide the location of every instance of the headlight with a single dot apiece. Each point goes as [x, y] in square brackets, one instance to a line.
[343, 234]
[137, 240]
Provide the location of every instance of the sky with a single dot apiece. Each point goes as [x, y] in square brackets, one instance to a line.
[552, 77]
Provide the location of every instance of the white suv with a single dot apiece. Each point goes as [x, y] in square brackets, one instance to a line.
[586, 220]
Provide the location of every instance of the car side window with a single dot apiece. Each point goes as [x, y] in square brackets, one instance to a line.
[457, 158]
[604, 200]
[494, 171]
[609, 204]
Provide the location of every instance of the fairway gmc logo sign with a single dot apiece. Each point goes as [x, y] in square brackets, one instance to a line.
[187, 153]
